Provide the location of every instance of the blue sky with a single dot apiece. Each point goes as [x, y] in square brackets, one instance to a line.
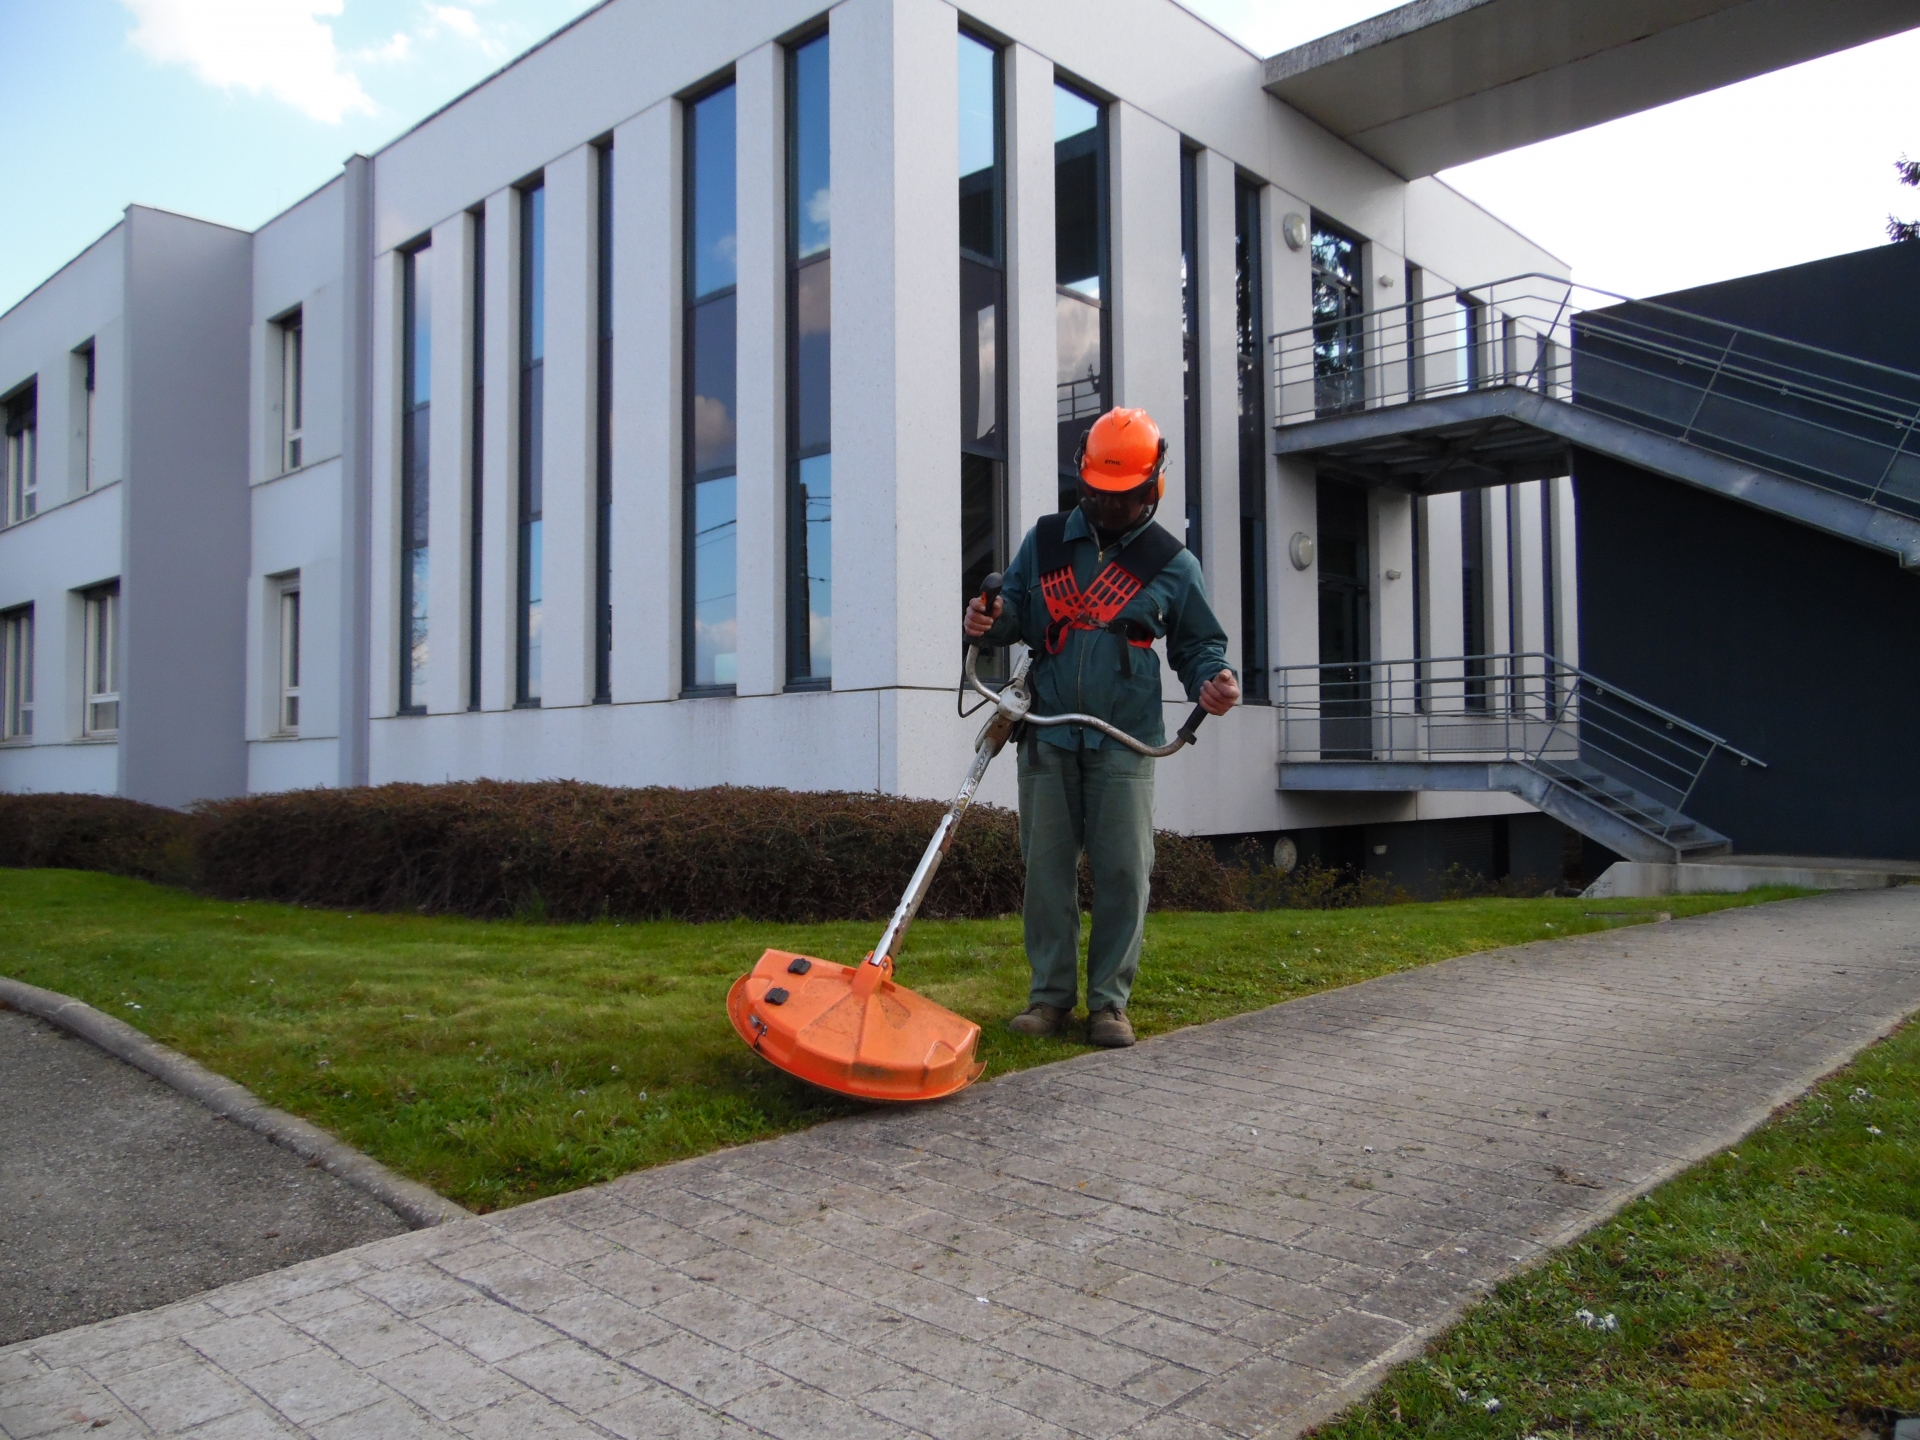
[233, 109]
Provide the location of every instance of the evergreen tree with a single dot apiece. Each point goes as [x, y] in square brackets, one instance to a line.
[1898, 229]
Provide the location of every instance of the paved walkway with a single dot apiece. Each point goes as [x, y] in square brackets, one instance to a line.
[1222, 1232]
[118, 1194]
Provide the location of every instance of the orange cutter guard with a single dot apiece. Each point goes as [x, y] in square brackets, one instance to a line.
[850, 1028]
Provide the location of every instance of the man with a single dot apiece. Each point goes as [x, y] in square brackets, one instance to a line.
[1089, 593]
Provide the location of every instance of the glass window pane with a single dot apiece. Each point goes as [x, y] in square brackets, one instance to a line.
[535, 557]
[980, 307]
[419, 303]
[979, 149]
[710, 143]
[715, 650]
[812, 359]
[812, 185]
[711, 384]
[1073, 114]
[417, 626]
[814, 560]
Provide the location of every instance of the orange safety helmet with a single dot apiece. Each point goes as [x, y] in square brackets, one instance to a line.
[1123, 451]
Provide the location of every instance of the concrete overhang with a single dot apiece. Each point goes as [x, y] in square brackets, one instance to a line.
[1441, 82]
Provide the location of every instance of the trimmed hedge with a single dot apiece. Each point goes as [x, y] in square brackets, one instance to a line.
[563, 850]
[96, 832]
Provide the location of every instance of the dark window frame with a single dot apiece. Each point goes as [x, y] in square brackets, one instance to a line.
[1103, 222]
[801, 672]
[984, 461]
[690, 304]
[1341, 387]
[1249, 300]
[476, 460]
[530, 471]
[415, 469]
[603, 425]
[1192, 395]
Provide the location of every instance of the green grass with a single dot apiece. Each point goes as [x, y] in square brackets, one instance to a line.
[1772, 1292]
[500, 1061]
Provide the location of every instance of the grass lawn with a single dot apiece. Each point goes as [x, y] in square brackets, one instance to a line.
[501, 1061]
[1773, 1291]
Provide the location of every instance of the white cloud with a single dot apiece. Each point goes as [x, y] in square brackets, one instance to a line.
[456, 18]
[282, 48]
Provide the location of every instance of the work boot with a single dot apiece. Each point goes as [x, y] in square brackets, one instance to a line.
[1039, 1020]
[1109, 1028]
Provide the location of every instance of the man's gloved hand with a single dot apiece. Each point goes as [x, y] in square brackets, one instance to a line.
[979, 621]
[1218, 695]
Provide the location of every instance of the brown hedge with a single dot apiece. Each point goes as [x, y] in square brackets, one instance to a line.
[96, 832]
[570, 851]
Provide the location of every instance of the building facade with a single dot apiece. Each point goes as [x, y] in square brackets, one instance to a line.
[644, 415]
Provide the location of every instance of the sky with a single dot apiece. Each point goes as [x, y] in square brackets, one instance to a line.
[233, 109]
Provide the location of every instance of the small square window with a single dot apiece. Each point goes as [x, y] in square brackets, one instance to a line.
[287, 688]
[292, 376]
[102, 713]
[22, 457]
[16, 674]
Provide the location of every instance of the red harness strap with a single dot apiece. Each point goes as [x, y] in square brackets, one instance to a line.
[1095, 608]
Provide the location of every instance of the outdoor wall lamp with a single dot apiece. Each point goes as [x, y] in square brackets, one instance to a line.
[1300, 550]
[1293, 229]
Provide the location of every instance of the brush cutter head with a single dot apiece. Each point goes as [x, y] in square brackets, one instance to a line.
[850, 1029]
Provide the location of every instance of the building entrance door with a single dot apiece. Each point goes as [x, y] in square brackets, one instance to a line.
[1346, 728]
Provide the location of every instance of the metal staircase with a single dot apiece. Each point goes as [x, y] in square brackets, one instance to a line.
[1613, 767]
[1494, 385]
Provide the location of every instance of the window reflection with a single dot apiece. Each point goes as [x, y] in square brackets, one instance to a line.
[983, 298]
[711, 394]
[533, 349]
[809, 367]
[416, 388]
[715, 583]
[1080, 262]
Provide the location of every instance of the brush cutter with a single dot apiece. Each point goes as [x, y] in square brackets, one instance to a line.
[850, 1028]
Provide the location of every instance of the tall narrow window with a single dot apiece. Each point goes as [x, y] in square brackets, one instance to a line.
[533, 350]
[983, 311]
[1473, 594]
[603, 433]
[287, 702]
[84, 359]
[1249, 306]
[1190, 333]
[711, 606]
[1339, 379]
[16, 674]
[102, 661]
[809, 351]
[1080, 273]
[416, 390]
[292, 368]
[23, 456]
[1417, 577]
[1549, 572]
[476, 499]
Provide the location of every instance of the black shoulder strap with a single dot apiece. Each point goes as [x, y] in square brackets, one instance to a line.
[1148, 553]
[1050, 541]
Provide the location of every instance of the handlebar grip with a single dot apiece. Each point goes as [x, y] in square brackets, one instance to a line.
[990, 590]
[1186, 731]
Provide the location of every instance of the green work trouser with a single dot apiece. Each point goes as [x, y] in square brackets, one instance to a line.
[1099, 801]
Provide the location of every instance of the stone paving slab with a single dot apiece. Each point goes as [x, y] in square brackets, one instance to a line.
[1224, 1232]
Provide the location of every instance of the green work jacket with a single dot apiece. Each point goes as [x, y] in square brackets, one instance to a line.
[1085, 677]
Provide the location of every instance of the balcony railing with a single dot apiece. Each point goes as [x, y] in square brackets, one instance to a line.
[1833, 421]
[1529, 708]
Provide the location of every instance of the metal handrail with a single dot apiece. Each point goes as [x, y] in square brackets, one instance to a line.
[1636, 358]
[1564, 723]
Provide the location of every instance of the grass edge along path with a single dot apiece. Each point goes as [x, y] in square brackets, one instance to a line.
[1771, 1291]
[499, 1061]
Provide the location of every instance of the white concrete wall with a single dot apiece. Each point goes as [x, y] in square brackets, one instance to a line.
[298, 261]
[75, 539]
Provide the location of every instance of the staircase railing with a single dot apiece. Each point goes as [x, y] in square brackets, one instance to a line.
[1528, 707]
[1833, 421]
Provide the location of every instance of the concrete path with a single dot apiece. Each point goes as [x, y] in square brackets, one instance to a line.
[1223, 1232]
[118, 1194]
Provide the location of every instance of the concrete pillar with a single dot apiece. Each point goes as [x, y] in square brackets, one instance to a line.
[1566, 576]
[1444, 604]
[499, 443]
[1388, 351]
[1390, 548]
[1147, 321]
[1033, 360]
[761, 432]
[450, 459]
[1294, 506]
[647, 541]
[567, 476]
[896, 342]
